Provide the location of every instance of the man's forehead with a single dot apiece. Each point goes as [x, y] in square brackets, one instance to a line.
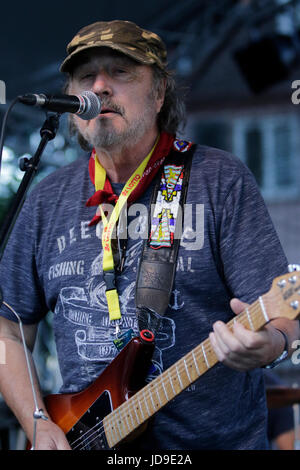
[102, 55]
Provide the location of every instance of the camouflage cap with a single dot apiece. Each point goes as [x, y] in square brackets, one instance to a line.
[124, 36]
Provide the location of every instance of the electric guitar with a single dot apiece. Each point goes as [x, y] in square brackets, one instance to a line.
[116, 405]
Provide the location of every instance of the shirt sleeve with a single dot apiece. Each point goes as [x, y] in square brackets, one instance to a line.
[250, 249]
[19, 281]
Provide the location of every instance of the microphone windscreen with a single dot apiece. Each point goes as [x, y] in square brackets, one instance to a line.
[93, 105]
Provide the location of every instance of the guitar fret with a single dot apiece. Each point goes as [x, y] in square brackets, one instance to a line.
[250, 320]
[204, 355]
[118, 427]
[263, 309]
[164, 389]
[153, 404]
[158, 396]
[141, 410]
[113, 430]
[171, 383]
[195, 362]
[146, 404]
[127, 422]
[187, 371]
[179, 378]
[133, 425]
[137, 418]
[121, 420]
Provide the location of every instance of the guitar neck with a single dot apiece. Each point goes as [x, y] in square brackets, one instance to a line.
[146, 402]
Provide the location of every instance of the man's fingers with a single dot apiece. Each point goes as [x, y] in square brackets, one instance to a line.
[224, 341]
[237, 306]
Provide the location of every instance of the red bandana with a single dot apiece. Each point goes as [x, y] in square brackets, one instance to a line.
[106, 195]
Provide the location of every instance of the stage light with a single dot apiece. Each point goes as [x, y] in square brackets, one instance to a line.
[267, 61]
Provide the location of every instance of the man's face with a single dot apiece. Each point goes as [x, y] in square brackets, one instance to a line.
[130, 103]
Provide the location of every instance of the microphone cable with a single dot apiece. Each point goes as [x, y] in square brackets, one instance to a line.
[38, 412]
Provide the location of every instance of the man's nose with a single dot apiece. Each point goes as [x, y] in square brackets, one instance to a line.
[102, 85]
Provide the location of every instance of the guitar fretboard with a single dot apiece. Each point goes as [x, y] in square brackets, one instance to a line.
[146, 402]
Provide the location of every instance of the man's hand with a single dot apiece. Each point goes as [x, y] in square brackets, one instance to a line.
[50, 437]
[243, 349]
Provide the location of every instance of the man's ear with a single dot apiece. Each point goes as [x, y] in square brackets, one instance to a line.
[161, 93]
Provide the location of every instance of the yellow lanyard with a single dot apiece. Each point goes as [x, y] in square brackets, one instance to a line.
[108, 228]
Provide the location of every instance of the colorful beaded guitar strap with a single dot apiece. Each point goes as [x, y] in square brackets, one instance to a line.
[159, 255]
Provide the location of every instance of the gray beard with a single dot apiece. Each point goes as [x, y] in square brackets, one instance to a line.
[108, 138]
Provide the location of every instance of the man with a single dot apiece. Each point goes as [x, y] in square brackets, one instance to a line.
[61, 265]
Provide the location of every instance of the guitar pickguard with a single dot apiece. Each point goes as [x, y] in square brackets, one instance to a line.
[88, 433]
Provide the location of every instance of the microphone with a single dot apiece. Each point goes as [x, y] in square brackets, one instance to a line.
[87, 105]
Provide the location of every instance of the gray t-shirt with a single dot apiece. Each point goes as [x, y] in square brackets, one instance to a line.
[229, 249]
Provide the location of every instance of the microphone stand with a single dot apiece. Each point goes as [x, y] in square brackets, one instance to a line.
[30, 166]
[47, 132]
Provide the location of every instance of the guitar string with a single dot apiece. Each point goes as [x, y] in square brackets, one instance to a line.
[253, 310]
[89, 442]
[87, 435]
[85, 446]
[93, 430]
[92, 441]
[99, 433]
[159, 385]
[130, 405]
[243, 317]
[86, 432]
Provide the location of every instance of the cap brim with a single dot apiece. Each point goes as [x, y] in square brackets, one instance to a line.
[135, 55]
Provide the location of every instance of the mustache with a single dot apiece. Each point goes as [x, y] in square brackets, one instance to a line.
[107, 103]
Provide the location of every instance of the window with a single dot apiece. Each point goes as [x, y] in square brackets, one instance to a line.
[268, 144]
[283, 164]
[254, 156]
[214, 134]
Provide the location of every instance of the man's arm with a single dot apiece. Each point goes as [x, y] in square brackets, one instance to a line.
[16, 388]
[243, 349]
